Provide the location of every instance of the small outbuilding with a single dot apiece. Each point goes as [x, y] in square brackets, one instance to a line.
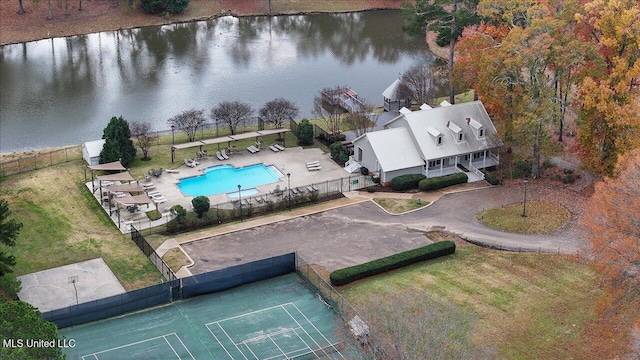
[91, 151]
[393, 99]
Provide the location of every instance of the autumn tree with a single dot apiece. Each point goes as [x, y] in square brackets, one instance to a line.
[612, 224]
[232, 113]
[189, 122]
[277, 111]
[141, 131]
[610, 95]
[9, 230]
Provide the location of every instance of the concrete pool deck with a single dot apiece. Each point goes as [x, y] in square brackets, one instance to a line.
[292, 160]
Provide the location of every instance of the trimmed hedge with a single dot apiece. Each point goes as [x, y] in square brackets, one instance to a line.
[406, 182]
[396, 261]
[442, 181]
[493, 180]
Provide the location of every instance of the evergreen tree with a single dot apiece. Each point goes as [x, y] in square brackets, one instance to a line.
[9, 230]
[305, 132]
[118, 144]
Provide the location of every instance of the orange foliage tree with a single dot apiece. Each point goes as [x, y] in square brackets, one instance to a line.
[613, 224]
[610, 95]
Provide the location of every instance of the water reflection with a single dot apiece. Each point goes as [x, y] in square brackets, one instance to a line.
[63, 91]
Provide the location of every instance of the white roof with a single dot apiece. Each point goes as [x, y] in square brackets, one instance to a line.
[445, 103]
[420, 123]
[425, 107]
[455, 128]
[404, 110]
[94, 148]
[476, 125]
[393, 148]
[433, 131]
[392, 91]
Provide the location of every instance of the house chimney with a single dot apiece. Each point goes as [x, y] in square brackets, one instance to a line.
[448, 122]
[468, 120]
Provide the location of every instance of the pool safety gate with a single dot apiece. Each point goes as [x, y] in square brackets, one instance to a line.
[213, 281]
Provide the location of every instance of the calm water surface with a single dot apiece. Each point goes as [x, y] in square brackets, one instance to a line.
[64, 91]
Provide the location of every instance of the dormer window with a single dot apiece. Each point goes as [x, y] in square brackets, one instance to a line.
[477, 128]
[456, 131]
[437, 135]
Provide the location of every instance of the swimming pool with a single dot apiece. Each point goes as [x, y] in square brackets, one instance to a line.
[226, 178]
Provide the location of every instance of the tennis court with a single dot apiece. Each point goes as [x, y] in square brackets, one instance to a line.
[279, 318]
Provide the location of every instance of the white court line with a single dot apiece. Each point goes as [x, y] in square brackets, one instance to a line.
[233, 342]
[220, 343]
[252, 353]
[93, 355]
[249, 313]
[305, 331]
[324, 337]
[172, 349]
[279, 349]
[130, 344]
[185, 347]
[262, 337]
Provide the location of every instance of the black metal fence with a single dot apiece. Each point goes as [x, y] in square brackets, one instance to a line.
[40, 160]
[174, 290]
[151, 254]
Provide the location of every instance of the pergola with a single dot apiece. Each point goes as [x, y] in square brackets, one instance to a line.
[129, 188]
[225, 139]
[123, 176]
[132, 200]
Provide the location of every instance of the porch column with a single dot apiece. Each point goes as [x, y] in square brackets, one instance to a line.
[441, 165]
[484, 160]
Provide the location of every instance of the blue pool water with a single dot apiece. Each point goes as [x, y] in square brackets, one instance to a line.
[226, 178]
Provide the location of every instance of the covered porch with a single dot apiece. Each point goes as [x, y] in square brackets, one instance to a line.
[470, 162]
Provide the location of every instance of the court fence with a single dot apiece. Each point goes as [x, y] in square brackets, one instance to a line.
[174, 290]
[151, 254]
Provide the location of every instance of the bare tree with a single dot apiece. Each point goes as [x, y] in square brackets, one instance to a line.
[331, 116]
[141, 131]
[232, 113]
[412, 326]
[189, 122]
[416, 82]
[278, 111]
[362, 121]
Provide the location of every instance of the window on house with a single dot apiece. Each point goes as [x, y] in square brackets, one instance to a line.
[466, 157]
[460, 136]
[359, 157]
[478, 155]
[434, 163]
[481, 133]
[439, 140]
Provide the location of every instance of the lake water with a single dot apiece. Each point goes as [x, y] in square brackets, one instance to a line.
[64, 91]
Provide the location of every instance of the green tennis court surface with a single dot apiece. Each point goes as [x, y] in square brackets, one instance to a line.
[279, 318]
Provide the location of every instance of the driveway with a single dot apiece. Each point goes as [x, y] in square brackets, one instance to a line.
[362, 232]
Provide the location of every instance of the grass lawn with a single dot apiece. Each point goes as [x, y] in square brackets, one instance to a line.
[542, 217]
[399, 206]
[176, 259]
[528, 306]
[63, 224]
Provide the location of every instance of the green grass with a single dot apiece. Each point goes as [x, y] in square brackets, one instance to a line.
[399, 206]
[529, 306]
[542, 217]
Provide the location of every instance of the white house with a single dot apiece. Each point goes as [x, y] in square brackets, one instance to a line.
[431, 141]
[91, 151]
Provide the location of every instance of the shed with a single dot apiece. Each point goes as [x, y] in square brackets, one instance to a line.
[91, 151]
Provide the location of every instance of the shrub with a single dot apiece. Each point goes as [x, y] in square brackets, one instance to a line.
[442, 181]
[201, 205]
[154, 215]
[305, 133]
[375, 267]
[493, 180]
[406, 182]
[371, 189]
[180, 213]
[339, 153]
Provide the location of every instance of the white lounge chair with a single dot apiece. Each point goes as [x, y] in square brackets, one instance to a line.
[273, 148]
[313, 163]
[160, 200]
[153, 193]
[173, 171]
[224, 154]
[190, 163]
[279, 147]
[314, 168]
[253, 149]
[219, 156]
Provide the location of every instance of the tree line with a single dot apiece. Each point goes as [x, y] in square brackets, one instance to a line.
[148, 6]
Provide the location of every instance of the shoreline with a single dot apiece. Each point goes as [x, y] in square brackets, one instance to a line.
[99, 16]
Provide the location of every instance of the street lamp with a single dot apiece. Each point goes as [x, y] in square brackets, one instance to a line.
[173, 138]
[240, 199]
[289, 185]
[524, 203]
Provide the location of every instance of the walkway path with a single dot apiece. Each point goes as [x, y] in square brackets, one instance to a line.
[353, 230]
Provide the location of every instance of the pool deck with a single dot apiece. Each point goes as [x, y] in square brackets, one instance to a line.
[292, 160]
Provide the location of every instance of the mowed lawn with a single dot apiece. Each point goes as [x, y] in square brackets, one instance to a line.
[528, 306]
[63, 224]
